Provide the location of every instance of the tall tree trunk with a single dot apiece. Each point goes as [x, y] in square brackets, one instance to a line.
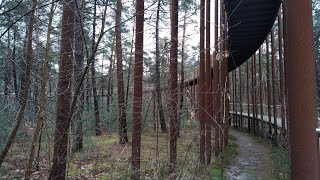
[129, 69]
[14, 69]
[93, 72]
[6, 71]
[79, 59]
[25, 93]
[58, 169]
[163, 125]
[182, 71]
[137, 96]
[41, 113]
[61, 137]
[37, 67]
[23, 67]
[173, 84]
[123, 138]
[110, 80]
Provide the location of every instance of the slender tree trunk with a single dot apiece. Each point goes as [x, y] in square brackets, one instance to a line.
[25, 93]
[6, 71]
[23, 67]
[182, 71]
[41, 113]
[93, 72]
[36, 69]
[173, 84]
[123, 138]
[163, 125]
[61, 136]
[14, 69]
[129, 69]
[79, 59]
[110, 80]
[137, 96]
[58, 169]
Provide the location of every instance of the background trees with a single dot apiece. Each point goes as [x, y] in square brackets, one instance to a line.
[84, 80]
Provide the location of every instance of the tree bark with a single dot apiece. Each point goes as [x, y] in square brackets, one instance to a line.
[182, 71]
[25, 93]
[123, 138]
[137, 96]
[129, 69]
[58, 169]
[110, 80]
[93, 80]
[41, 113]
[173, 84]
[163, 125]
[79, 59]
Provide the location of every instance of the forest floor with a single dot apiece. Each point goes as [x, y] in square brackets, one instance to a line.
[246, 157]
[104, 158]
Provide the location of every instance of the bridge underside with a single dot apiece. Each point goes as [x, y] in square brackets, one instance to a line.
[249, 23]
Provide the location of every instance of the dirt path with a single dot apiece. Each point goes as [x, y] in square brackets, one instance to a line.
[252, 162]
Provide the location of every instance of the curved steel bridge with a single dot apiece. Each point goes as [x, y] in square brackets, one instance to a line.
[249, 23]
[290, 107]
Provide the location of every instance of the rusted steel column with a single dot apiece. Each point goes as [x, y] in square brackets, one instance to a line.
[284, 14]
[240, 96]
[227, 112]
[253, 60]
[173, 84]
[233, 98]
[248, 97]
[215, 86]
[268, 85]
[302, 97]
[261, 89]
[208, 98]
[282, 92]
[202, 113]
[224, 76]
[137, 96]
[193, 90]
[274, 85]
[256, 126]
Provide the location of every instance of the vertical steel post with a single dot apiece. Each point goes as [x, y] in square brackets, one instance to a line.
[282, 92]
[215, 86]
[224, 75]
[208, 98]
[253, 60]
[233, 98]
[240, 96]
[274, 85]
[261, 90]
[268, 85]
[255, 90]
[202, 113]
[301, 84]
[248, 97]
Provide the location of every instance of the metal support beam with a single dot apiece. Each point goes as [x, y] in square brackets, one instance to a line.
[301, 84]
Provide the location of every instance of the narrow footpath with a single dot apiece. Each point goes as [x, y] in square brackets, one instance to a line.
[252, 163]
